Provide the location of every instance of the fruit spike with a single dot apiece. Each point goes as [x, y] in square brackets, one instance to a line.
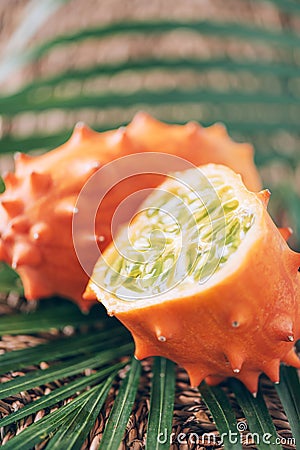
[22, 158]
[25, 255]
[19, 224]
[250, 380]
[40, 182]
[21, 161]
[264, 196]
[236, 360]
[292, 359]
[45, 188]
[12, 207]
[82, 132]
[272, 370]
[228, 309]
[10, 179]
[286, 232]
[282, 327]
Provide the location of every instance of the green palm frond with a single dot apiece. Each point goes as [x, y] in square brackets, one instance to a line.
[222, 413]
[257, 415]
[60, 394]
[60, 419]
[9, 280]
[289, 392]
[105, 352]
[121, 409]
[161, 404]
[58, 317]
[72, 436]
[88, 361]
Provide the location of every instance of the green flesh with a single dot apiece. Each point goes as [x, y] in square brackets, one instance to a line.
[180, 236]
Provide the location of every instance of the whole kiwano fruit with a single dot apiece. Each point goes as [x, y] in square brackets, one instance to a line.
[202, 276]
[39, 202]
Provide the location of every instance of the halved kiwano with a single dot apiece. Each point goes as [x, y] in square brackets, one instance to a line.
[202, 276]
[40, 201]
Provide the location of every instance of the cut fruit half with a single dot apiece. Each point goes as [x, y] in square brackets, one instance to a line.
[44, 195]
[202, 276]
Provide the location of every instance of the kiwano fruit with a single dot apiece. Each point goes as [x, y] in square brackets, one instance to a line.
[202, 276]
[39, 203]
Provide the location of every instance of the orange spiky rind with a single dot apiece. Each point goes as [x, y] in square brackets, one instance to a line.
[250, 380]
[241, 323]
[19, 224]
[25, 255]
[40, 182]
[214, 380]
[236, 360]
[12, 207]
[22, 158]
[66, 208]
[264, 196]
[292, 359]
[82, 133]
[10, 180]
[286, 232]
[39, 203]
[272, 370]
[282, 327]
[41, 232]
[150, 134]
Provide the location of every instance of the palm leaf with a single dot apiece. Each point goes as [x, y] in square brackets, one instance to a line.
[289, 392]
[222, 30]
[257, 415]
[161, 405]
[121, 410]
[9, 280]
[287, 6]
[40, 430]
[139, 98]
[146, 65]
[73, 366]
[73, 434]
[59, 394]
[46, 318]
[63, 348]
[222, 413]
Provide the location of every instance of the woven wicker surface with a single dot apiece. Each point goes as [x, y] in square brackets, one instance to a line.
[191, 415]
